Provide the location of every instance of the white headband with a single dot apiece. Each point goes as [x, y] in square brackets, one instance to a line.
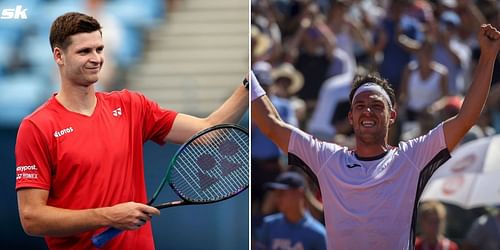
[370, 86]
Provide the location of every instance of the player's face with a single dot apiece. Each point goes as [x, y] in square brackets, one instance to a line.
[370, 117]
[82, 61]
[287, 199]
[431, 224]
[424, 55]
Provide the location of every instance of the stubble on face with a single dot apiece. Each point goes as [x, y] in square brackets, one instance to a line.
[369, 117]
[83, 59]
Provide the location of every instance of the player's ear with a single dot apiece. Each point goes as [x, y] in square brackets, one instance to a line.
[392, 116]
[58, 56]
[349, 117]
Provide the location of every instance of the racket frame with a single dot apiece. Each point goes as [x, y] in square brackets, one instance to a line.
[168, 172]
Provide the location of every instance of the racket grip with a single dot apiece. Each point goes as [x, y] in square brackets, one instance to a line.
[100, 240]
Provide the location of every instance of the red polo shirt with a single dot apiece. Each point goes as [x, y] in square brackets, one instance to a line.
[91, 161]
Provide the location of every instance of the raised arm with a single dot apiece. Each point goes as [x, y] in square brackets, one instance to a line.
[230, 111]
[267, 118]
[456, 127]
[40, 219]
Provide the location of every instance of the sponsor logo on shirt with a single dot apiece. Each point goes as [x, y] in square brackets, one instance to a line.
[26, 172]
[63, 132]
[117, 112]
[279, 243]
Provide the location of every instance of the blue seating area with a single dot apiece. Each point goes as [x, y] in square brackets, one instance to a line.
[28, 74]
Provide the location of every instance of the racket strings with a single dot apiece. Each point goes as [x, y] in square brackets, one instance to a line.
[204, 148]
[219, 139]
[242, 145]
[204, 179]
[213, 166]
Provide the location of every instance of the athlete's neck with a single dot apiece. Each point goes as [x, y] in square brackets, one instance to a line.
[431, 239]
[295, 214]
[370, 150]
[79, 99]
[425, 70]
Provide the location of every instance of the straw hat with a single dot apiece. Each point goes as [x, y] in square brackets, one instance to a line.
[287, 70]
[261, 43]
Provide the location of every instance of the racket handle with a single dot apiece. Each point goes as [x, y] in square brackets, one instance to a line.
[100, 240]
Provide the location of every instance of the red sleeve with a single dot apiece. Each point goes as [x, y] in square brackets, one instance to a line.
[156, 122]
[32, 158]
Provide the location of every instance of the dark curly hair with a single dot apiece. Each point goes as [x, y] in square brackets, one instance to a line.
[360, 80]
[70, 24]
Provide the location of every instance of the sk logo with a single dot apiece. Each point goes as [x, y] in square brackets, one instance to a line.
[18, 13]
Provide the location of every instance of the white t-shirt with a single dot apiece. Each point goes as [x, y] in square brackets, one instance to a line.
[423, 92]
[370, 203]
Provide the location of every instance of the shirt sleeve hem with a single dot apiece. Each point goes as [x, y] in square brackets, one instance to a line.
[160, 140]
[32, 185]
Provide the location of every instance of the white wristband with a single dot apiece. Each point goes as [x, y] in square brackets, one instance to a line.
[256, 90]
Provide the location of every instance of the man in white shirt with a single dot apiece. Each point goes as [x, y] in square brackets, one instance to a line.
[370, 194]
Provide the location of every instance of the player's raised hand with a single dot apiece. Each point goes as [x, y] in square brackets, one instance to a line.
[489, 39]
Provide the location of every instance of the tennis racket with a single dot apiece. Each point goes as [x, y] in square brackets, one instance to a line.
[211, 166]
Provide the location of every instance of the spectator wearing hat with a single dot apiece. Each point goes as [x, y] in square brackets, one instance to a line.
[288, 81]
[452, 53]
[293, 227]
[265, 154]
[261, 44]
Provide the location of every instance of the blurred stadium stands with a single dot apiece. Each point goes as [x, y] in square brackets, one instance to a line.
[200, 53]
[27, 72]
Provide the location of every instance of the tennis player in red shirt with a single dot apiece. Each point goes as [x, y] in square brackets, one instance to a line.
[79, 156]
